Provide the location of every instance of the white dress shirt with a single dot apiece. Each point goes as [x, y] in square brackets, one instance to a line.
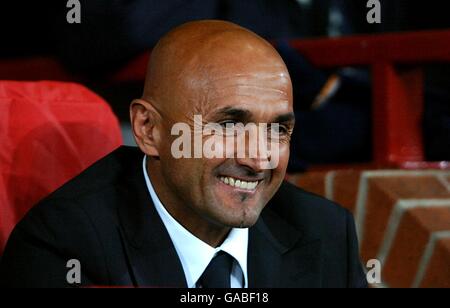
[194, 254]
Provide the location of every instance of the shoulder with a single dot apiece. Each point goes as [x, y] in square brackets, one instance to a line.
[88, 196]
[77, 221]
[106, 172]
[309, 212]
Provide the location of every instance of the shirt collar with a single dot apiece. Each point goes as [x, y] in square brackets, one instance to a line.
[194, 254]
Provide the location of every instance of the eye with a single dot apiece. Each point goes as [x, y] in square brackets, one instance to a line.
[279, 133]
[228, 127]
[278, 129]
[228, 123]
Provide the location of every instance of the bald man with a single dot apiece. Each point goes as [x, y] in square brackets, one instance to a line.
[149, 217]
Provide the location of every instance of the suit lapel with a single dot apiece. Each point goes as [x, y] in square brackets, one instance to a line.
[152, 258]
[280, 255]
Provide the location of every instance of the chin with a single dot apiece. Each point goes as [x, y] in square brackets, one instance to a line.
[236, 209]
[246, 219]
[247, 224]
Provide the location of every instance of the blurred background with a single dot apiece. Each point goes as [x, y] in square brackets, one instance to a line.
[372, 101]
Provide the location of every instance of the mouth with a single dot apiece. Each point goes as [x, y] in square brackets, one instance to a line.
[248, 186]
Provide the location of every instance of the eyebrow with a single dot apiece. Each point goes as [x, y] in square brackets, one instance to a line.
[283, 118]
[244, 114]
[236, 113]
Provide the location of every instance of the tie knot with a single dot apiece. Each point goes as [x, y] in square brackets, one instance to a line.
[217, 273]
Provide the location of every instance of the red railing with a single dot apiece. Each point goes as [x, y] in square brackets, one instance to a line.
[397, 85]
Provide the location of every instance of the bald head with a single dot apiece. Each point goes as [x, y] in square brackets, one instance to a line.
[218, 73]
[187, 62]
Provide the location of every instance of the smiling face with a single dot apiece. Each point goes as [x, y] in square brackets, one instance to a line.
[232, 77]
[221, 189]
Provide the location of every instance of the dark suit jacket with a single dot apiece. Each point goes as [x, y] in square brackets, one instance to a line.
[105, 219]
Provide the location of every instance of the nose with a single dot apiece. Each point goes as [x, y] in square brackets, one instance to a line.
[256, 155]
[256, 164]
[253, 149]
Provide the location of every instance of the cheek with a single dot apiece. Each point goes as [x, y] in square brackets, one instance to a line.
[214, 147]
[278, 160]
[283, 159]
[178, 169]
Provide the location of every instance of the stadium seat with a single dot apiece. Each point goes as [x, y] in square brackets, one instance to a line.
[49, 132]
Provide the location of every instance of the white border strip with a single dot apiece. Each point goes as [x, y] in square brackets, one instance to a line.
[329, 185]
[360, 208]
[395, 219]
[444, 181]
[427, 255]
[361, 200]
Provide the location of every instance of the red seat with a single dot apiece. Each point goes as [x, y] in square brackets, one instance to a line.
[49, 132]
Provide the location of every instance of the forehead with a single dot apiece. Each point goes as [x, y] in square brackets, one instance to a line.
[265, 91]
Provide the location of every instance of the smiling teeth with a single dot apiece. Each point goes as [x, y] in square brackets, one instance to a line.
[239, 183]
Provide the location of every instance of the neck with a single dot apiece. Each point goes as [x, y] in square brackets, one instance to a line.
[208, 232]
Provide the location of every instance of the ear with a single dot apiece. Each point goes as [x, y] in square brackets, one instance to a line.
[144, 119]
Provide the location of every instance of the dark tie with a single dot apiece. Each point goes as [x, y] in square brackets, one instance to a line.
[217, 274]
